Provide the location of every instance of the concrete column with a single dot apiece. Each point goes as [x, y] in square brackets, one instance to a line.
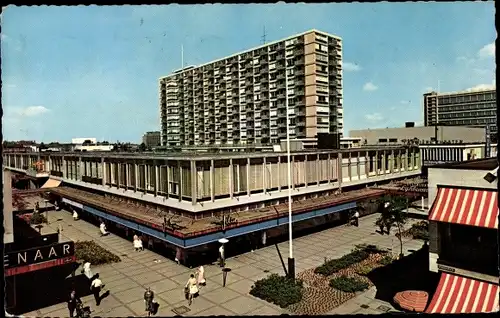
[166, 181]
[119, 174]
[329, 174]
[349, 166]
[231, 179]
[305, 170]
[156, 179]
[180, 180]
[64, 167]
[279, 173]
[79, 169]
[376, 163]
[248, 176]
[339, 169]
[103, 169]
[358, 165]
[136, 176]
[49, 162]
[393, 162]
[292, 171]
[194, 179]
[264, 175]
[318, 170]
[212, 180]
[367, 164]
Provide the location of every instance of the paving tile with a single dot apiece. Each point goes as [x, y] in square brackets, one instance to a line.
[199, 304]
[120, 311]
[181, 279]
[138, 307]
[242, 305]
[247, 271]
[215, 311]
[107, 304]
[234, 263]
[130, 295]
[267, 311]
[160, 286]
[115, 283]
[175, 271]
[220, 295]
[243, 286]
[172, 296]
[146, 278]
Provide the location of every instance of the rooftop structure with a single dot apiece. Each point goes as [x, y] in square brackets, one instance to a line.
[466, 108]
[243, 99]
[436, 134]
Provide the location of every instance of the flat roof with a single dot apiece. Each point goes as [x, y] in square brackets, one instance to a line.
[478, 164]
[475, 91]
[213, 156]
[187, 68]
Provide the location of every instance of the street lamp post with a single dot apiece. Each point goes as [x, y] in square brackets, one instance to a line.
[291, 261]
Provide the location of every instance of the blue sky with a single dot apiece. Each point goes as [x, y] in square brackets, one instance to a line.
[93, 71]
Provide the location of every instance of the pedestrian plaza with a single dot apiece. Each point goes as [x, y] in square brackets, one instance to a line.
[128, 279]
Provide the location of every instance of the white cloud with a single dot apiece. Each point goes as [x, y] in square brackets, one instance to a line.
[406, 102]
[375, 117]
[487, 51]
[370, 87]
[30, 111]
[11, 85]
[482, 87]
[351, 67]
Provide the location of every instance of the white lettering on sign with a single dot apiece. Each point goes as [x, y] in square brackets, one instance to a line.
[52, 252]
[20, 257]
[38, 254]
[66, 249]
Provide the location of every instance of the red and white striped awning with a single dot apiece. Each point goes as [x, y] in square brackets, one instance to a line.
[456, 294]
[466, 206]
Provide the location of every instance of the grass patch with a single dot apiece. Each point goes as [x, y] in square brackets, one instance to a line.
[348, 284]
[332, 266]
[364, 270]
[278, 290]
[95, 254]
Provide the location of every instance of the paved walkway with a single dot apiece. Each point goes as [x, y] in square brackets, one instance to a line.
[128, 279]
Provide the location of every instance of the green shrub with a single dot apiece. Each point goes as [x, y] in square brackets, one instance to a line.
[335, 265]
[364, 270]
[278, 290]
[386, 260]
[38, 218]
[418, 231]
[348, 284]
[91, 252]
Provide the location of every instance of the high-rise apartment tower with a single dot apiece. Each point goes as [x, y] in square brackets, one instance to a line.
[467, 108]
[241, 99]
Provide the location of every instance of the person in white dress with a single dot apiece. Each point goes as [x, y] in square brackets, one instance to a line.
[201, 276]
[221, 254]
[137, 243]
[75, 215]
[103, 230]
[87, 271]
[192, 288]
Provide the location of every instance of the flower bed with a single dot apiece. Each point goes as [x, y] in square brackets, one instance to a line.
[278, 290]
[348, 284]
[333, 266]
[91, 252]
[320, 298]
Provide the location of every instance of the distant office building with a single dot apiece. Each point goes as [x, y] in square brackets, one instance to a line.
[242, 99]
[468, 108]
[152, 139]
[436, 134]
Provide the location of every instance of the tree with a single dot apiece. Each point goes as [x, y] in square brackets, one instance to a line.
[392, 213]
[142, 147]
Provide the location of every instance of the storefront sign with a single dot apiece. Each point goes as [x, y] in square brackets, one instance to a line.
[446, 269]
[39, 255]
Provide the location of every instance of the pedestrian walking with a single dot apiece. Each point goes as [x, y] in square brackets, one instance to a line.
[148, 301]
[264, 238]
[75, 215]
[87, 271]
[356, 218]
[201, 276]
[221, 255]
[72, 302]
[103, 229]
[96, 287]
[192, 288]
[137, 243]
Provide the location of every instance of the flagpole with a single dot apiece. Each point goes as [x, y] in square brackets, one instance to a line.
[291, 261]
